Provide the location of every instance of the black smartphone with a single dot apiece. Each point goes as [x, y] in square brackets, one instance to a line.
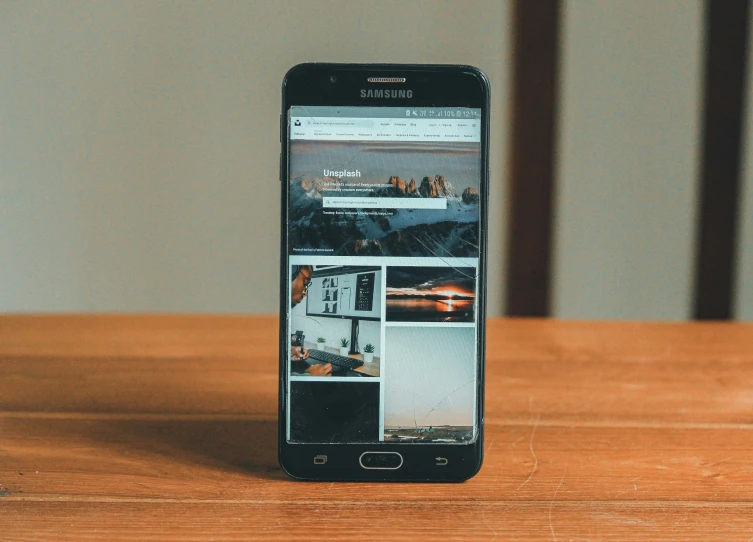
[385, 184]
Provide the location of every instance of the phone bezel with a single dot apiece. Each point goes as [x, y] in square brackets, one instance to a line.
[432, 86]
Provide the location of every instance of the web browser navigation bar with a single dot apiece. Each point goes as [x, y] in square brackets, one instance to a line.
[374, 129]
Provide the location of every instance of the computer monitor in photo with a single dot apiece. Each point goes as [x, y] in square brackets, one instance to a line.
[340, 317]
[345, 292]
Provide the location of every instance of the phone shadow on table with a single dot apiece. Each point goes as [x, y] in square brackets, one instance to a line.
[240, 445]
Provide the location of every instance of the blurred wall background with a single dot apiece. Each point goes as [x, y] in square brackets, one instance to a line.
[138, 159]
[629, 146]
[139, 140]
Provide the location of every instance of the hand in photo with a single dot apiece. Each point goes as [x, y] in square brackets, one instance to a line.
[320, 369]
[298, 353]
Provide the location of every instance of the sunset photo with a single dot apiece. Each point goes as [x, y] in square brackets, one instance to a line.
[430, 294]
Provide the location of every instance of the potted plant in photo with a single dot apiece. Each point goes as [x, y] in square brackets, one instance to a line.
[344, 344]
[368, 353]
[320, 343]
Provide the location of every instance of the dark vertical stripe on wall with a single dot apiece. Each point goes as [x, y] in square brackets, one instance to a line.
[536, 44]
[726, 44]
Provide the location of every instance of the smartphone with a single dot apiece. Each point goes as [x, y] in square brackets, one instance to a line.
[385, 183]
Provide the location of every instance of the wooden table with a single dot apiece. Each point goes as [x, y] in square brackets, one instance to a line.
[164, 427]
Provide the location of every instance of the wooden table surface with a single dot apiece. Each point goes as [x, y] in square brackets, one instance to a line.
[164, 427]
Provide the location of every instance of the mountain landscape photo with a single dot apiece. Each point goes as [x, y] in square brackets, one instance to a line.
[386, 170]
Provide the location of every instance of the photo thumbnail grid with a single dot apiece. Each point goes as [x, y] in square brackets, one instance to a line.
[406, 330]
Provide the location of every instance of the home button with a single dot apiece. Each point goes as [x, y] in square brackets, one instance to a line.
[381, 460]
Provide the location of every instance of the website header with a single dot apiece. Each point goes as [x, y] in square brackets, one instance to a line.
[385, 129]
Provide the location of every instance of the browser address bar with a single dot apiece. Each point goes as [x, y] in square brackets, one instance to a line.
[343, 202]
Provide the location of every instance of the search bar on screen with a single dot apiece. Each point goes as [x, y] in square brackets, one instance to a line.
[343, 202]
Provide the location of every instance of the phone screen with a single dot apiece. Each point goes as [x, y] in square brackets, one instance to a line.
[383, 250]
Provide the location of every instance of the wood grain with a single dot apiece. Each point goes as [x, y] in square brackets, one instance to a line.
[400, 520]
[164, 427]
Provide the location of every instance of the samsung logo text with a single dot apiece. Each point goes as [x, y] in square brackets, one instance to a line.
[386, 94]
